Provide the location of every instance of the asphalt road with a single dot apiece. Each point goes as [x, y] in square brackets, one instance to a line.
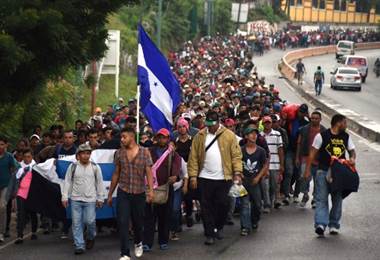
[366, 102]
[286, 233]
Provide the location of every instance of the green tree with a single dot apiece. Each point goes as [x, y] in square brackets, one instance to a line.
[40, 39]
[222, 17]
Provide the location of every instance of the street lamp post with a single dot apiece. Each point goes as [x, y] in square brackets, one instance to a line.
[159, 17]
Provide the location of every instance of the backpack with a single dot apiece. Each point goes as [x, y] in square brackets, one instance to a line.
[74, 167]
[318, 75]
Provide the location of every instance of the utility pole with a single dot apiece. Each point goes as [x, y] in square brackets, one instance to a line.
[93, 90]
[159, 17]
[209, 16]
[238, 16]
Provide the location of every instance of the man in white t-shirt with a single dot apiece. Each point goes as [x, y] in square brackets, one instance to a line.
[215, 160]
[332, 142]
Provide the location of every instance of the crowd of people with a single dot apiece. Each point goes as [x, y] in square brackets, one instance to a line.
[288, 38]
[232, 132]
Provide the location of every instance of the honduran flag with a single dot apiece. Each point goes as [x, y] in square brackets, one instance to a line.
[48, 178]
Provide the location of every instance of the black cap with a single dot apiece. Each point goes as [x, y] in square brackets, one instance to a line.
[304, 109]
[212, 118]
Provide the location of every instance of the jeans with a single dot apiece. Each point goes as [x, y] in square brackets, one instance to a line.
[83, 213]
[231, 211]
[130, 206]
[214, 204]
[3, 206]
[22, 214]
[274, 190]
[322, 215]
[250, 206]
[305, 184]
[289, 171]
[264, 184]
[176, 212]
[318, 87]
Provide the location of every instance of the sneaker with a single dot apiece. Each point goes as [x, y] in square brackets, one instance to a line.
[2, 238]
[64, 235]
[164, 247]
[209, 241]
[219, 235]
[304, 200]
[244, 232]
[295, 199]
[90, 243]
[7, 234]
[320, 230]
[277, 205]
[229, 223]
[266, 210]
[19, 241]
[255, 226]
[313, 204]
[286, 201]
[174, 236]
[334, 231]
[139, 250]
[146, 248]
[189, 221]
[33, 237]
[78, 251]
[125, 257]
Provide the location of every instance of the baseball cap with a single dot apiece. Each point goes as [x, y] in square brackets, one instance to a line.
[163, 131]
[304, 108]
[249, 130]
[84, 148]
[35, 136]
[121, 99]
[212, 118]
[267, 119]
[275, 118]
[229, 122]
[186, 116]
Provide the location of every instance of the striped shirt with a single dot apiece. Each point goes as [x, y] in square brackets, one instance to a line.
[274, 141]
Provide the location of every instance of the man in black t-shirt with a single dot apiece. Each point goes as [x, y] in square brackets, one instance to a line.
[254, 168]
[332, 142]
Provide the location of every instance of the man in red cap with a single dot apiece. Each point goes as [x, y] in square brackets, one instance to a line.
[168, 172]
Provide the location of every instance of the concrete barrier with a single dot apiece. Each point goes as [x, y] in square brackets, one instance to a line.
[285, 67]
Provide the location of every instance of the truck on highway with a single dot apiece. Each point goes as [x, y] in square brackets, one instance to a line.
[344, 48]
[358, 62]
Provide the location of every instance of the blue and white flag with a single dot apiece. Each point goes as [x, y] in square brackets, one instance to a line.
[55, 172]
[160, 91]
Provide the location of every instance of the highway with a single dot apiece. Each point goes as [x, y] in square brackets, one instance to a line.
[365, 103]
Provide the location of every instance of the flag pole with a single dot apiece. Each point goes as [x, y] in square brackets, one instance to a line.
[138, 85]
[138, 114]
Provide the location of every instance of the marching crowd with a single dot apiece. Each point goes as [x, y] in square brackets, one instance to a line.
[287, 38]
[233, 132]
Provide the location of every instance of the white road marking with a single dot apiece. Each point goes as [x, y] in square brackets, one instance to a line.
[13, 241]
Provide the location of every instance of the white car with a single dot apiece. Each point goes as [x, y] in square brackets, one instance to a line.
[346, 78]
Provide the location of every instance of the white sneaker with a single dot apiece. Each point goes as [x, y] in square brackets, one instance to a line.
[2, 238]
[139, 250]
[125, 258]
[334, 231]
